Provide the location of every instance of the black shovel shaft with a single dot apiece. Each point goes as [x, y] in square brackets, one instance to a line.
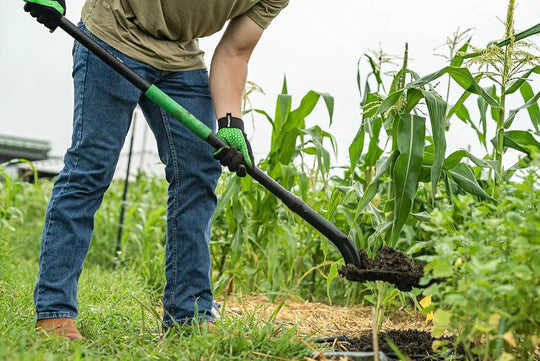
[344, 244]
[341, 241]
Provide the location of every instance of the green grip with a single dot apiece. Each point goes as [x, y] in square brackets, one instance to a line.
[178, 112]
[49, 3]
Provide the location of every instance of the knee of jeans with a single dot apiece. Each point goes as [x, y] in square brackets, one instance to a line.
[92, 181]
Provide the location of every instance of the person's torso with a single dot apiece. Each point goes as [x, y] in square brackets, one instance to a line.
[164, 33]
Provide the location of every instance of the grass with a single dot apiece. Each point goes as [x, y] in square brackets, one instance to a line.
[119, 319]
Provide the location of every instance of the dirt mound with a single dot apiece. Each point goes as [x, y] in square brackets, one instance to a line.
[389, 265]
[409, 342]
[415, 344]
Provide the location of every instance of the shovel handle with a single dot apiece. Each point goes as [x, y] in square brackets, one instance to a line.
[341, 241]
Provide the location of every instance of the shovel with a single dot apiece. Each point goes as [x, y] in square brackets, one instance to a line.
[344, 244]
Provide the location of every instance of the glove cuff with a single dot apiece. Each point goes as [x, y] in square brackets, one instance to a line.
[231, 122]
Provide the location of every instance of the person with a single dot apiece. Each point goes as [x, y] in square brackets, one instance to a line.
[159, 40]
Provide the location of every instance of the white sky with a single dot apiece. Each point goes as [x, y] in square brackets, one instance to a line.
[315, 43]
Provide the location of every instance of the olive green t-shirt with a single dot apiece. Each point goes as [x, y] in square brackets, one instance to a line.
[165, 33]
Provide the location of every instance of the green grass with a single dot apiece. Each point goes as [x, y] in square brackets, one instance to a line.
[119, 320]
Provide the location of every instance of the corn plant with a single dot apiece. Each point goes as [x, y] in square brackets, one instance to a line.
[253, 227]
[507, 66]
[412, 156]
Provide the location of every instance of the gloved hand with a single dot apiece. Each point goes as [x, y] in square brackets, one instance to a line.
[238, 155]
[47, 12]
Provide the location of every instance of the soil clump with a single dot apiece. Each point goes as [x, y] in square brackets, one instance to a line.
[389, 265]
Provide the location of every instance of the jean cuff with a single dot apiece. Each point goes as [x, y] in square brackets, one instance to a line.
[47, 315]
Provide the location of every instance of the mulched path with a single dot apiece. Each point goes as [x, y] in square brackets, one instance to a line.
[316, 319]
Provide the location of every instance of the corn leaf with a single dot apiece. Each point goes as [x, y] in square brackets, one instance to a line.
[464, 178]
[520, 36]
[462, 76]
[520, 140]
[437, 110]
[517, 83]
[383, 164]
[283, 108]
[410, 138]
[357, 147]
[482, 110]
[374, 151]
[308, 103]
[456, 61]
[531, 106]
[389, 102]
[414, 95]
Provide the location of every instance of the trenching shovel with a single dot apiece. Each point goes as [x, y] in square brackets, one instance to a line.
[355, 269]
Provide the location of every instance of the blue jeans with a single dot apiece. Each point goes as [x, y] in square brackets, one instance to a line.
[104, 104]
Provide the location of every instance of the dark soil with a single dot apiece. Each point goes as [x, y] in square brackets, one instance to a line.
[412, 343]
[389, 265]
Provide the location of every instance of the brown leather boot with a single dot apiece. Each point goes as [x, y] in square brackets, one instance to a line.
[59, 327]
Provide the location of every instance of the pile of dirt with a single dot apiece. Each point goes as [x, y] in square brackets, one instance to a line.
[389, 265]
[413, 343]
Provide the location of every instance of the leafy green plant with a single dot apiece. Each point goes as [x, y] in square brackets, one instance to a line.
[490, 256]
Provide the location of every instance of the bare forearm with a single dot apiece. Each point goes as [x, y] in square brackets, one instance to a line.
[228, 70]
[228, 75]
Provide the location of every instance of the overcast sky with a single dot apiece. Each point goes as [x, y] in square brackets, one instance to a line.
[315, 43]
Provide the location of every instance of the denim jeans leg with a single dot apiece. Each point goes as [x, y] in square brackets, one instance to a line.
[104, 103]
[192, 174]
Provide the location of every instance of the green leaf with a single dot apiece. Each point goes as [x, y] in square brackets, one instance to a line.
[374, 151]
[383, 164]
[297, 116]
[459, 104]
[518, 83]
[521, 140]
[287, 145]
[437, 110]
[357, 147]
[482, 110]
[389, 102]
[414, 95]
[531, 106]
[441, 317]
[455, 60]
[533, 109]
[533, 30]
[331, 276]
[519, 36]
[407, 168]
[464, 177]
[308, 103]
[283, 108]
[454, 159]
[462, 76]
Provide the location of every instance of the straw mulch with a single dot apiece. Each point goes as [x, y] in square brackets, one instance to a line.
[319, 319]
